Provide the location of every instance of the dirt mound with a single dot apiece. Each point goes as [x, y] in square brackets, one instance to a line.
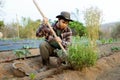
[106, 68]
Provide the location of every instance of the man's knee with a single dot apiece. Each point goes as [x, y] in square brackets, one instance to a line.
[43, 44]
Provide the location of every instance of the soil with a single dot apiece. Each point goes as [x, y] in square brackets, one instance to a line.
[107, 67]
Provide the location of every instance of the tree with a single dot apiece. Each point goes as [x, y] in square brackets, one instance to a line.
[1, 24]
[77, 28]
[116, 32]
[29, 28]
[1, 12]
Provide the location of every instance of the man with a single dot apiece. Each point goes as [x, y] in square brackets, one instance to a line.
[63, 32]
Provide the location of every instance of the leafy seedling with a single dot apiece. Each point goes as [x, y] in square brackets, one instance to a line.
[22, 53]
[32, 76]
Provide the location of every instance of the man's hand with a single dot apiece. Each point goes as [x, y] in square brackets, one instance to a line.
[58, 39]
[45, 21]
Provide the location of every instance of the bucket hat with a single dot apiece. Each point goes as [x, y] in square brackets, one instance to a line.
[64, 15]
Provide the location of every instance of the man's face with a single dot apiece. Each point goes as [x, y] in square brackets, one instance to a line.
[63, 23]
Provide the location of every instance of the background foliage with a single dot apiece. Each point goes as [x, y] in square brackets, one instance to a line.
[78, 28]
[92, 17]
[29, 29]
[116, 32]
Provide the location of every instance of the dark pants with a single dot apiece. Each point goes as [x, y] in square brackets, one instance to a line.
[46, 51]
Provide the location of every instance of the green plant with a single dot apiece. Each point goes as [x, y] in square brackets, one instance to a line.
[115, 48]
[32, 76]
[81, 56]
[22, 53]
[110, 40]
[104, 41]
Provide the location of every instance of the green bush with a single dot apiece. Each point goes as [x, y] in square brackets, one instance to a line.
[77, 28]
[81, 56]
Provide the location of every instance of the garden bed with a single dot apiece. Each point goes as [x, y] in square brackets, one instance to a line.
[106, 68]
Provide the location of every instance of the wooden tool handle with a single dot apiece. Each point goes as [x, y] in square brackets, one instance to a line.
[38, 7]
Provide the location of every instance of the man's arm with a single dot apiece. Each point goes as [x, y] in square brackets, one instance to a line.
[67, 37]
[43, 30]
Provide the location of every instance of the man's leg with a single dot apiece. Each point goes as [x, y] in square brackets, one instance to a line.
[45, 51]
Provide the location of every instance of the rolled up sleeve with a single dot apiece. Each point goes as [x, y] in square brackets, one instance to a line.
[42, 31]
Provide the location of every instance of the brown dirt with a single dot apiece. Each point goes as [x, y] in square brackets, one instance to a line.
[106, 68]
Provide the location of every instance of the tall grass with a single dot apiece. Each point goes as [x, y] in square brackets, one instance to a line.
[92, 17]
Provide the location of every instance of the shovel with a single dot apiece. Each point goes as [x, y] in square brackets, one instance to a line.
[36, 4]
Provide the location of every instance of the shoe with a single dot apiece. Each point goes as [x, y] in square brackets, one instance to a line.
[61, 62]
[44, 68]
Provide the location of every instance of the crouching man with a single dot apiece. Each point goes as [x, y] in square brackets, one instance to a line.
[50, 43]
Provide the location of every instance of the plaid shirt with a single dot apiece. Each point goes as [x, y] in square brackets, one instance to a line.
[65, 35]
